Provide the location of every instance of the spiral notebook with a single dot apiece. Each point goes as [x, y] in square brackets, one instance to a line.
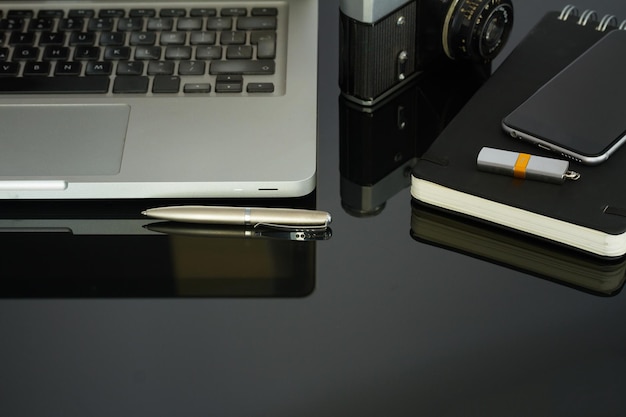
[588, 214]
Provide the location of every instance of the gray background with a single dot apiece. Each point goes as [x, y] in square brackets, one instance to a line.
[393, 328]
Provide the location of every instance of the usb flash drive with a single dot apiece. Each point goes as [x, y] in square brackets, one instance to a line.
[526, 166]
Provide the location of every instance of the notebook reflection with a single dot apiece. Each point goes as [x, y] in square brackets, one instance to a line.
[380, 144]
[139, 258]
[583, 272]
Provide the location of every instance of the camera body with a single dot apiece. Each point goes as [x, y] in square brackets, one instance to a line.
[386, 43]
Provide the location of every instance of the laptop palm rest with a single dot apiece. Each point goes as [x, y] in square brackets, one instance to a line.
[62, 140]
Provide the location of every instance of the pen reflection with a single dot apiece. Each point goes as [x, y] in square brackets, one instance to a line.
[380, 144]
[189, 229]
[72, 256]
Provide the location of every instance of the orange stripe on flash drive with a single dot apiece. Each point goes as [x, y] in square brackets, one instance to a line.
[519, 170]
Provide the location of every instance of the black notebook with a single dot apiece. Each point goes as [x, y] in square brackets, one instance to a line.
[588, 214]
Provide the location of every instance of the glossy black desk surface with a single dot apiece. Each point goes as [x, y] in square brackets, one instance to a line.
[390, 326]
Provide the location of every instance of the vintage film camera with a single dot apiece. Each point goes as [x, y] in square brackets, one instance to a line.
[384, 43]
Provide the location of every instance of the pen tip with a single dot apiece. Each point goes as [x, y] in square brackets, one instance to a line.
[145, 213]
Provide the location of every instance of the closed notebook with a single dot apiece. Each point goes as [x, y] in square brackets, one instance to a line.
[588, 214]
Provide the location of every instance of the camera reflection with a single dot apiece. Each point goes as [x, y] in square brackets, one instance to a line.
[380, 144]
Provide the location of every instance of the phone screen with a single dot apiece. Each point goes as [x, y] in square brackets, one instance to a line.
[580, 112]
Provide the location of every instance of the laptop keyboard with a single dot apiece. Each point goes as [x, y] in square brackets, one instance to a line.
[175, 51]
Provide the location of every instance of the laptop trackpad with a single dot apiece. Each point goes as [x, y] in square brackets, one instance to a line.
[62, 140]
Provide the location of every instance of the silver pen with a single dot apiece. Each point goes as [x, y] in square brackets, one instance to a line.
[242, 216]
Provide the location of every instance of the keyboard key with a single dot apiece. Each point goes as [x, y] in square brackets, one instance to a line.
[53, 13]
[81, 13]
[234, 11]
[99, 68]
[192, 68]
[266, 49]
[260, 88]
[178, 52]
[142, 13]
[143, 38]
[129, 24]
[202, 12]
[166, 84]
[228, 87]
[27, 53]
[32, 69]
[42, 23]
[264, 11]
[87, 53]
[73, 23]
[68, 68]
[11, 24]
[130, 84]
[9, 69]
[20, 14]
[52, 38]
[219, 23]
[256, 23]
[233, 38]
[173, 13]
[112, 38]
[4, 54]
[56, 53]
[189, 23]
[82, 38]
[17, 38]
[229, 78]
[130, 68]
[100, 24]
[202, 38]
[208, 52]
[173, 38]
[148, 52]
[197, 88]
[117, 53]
[161, 68]
[262, 35]
[158, 23]
[263, 67]
[105, 13]
[239, 52]
[55, 85]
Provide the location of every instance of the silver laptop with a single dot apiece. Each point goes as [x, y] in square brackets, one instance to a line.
[157, 99]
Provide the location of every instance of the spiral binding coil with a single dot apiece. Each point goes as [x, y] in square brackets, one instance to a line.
[590, 16]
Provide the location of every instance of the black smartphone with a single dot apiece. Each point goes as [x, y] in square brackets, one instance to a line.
[581, 112]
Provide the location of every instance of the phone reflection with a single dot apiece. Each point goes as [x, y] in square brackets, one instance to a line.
[379, 145]
[138, 257]
[538, 258]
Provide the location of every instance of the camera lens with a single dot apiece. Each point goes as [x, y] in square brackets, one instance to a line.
[477, 30]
